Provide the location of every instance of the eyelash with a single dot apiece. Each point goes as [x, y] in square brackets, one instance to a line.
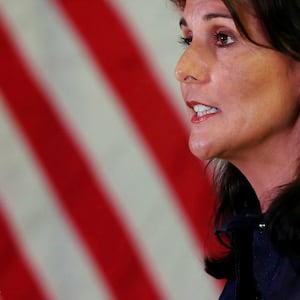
[185, 41]
[218, 36]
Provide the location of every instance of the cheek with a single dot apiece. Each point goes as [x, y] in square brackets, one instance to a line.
[236, 80]
[254, 83]
[256, 96]
[249, 80]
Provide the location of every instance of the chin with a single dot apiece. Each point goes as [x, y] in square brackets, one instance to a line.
[200, 150]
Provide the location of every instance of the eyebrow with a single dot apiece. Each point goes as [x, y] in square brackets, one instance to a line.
[207, 17]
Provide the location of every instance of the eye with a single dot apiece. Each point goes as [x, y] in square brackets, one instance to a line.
[223, 39]
[186, 41]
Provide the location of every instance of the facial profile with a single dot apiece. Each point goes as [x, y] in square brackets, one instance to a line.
[242, 98]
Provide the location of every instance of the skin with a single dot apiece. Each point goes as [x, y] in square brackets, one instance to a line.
[255, 89]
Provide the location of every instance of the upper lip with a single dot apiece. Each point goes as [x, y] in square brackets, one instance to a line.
[192, 103]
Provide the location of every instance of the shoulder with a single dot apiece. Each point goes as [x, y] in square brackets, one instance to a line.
[286, 282]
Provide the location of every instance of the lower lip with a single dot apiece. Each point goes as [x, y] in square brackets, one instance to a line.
[195, 119]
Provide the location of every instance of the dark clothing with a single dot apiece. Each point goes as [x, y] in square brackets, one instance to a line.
[270, 276]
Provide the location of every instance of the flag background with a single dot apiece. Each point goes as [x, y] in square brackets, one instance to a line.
[100, 197]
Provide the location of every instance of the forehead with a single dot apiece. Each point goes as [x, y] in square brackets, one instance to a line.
[197, 6]
[195, 9]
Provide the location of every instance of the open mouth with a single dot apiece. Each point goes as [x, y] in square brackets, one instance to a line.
[203, 110]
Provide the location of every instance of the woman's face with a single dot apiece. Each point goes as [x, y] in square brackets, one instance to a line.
[246, 96]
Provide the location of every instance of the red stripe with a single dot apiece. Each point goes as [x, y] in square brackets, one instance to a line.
[116, 52]
[16, 279]
[67, 169]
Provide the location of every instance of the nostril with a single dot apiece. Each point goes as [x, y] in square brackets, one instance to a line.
[189, 78]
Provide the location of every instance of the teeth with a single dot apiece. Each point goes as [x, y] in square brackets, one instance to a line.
[202, 110]
[200, 107]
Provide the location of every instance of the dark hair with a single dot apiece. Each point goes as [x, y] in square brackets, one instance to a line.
[280, 22]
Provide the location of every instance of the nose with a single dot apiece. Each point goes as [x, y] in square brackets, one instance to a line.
[192, 67]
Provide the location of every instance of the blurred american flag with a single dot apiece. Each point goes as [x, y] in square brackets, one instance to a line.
[100, 197]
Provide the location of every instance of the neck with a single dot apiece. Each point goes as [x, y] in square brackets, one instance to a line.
[270, 169]
[267, 180]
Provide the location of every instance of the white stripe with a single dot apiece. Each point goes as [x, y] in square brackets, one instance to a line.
[115, 148]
